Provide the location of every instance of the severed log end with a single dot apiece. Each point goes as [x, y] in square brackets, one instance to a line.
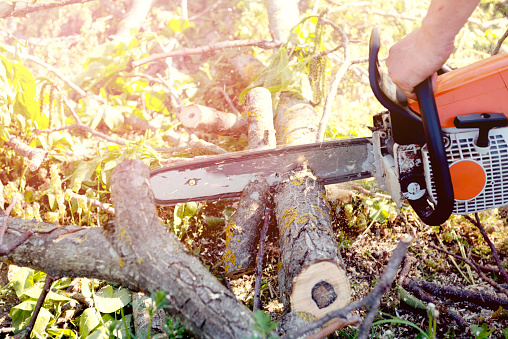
[210, 120]
[321, 287]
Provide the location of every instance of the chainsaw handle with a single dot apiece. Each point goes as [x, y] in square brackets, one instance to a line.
[438, 160]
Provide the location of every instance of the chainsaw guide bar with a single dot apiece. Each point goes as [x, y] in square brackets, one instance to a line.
[225, 176]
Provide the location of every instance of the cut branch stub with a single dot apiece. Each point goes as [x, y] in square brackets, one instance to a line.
[242, 232]
[260, 118]
[314, 278]
[210, 120]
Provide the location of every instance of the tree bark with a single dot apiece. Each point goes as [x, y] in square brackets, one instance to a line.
[283, 15]
[136, 250]
[242, 232]
[210, 120]
[311, 276]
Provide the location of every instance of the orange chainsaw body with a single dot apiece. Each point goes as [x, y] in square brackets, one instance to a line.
[481, 87]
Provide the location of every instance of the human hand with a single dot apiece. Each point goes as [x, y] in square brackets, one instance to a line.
[415, 58]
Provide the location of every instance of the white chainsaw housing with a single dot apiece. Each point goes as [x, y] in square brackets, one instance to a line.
[460, 144]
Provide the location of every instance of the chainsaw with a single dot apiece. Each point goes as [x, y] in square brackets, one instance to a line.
[446, 153]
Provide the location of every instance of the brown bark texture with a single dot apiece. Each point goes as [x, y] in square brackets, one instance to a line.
[304, 222]
[135, 250]
[210, 120]
[242, 232]
[260, 119]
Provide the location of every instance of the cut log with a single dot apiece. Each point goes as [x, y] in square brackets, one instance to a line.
[210, 120]
[314, 278]
[311, 272]
[242, 232]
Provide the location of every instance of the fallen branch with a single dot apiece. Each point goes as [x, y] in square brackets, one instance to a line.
[265, 44]
[473, 265]
[210, 120]
[483, 299]
[45, 290]
[27, 8]
[35, 155]
[82, 127]
[479, 225]
[413, 287]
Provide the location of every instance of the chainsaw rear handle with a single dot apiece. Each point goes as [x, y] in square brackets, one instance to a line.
[437, 153]
[431, 214]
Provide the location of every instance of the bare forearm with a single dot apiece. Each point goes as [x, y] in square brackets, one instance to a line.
[445, 18]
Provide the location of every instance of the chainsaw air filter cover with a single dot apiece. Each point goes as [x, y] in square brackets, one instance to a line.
[479, 174]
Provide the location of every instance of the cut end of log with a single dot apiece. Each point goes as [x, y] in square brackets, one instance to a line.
[190, 116]
[321, 287]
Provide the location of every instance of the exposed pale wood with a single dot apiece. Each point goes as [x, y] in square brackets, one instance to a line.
[210, 120]
[36, 155]
[283, 15]
[134, 18]
[320, 286]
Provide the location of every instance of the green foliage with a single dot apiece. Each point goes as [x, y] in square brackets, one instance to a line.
[481, 332]
[263, 325]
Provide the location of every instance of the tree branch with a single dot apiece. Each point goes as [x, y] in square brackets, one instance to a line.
[265, 44]
[40, 6]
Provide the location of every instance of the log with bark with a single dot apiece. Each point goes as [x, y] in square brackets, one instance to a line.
[311, 277]
[210, 120]
[137, 251]
[242, 231]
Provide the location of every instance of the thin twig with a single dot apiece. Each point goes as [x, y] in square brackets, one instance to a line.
[265, 44]
[228, 100]
[500, 43]
[83, 127]
[371, 301]
[14, 201]
[105, 207]
[206, 10]
[473, 265]
[479, 225]
[194, 141]
[115, 10]
[337, 78]
[335, 325]
[44, 6]
[370, 193]
[259, 267]
[47, 286]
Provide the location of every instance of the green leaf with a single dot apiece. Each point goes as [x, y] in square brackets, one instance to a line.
[100, 333]
[190, 209]
[113, 118]
[409, 299]
[21, 313]
[42, 322]
[88, 321]
[109, 300]
[85, 288]
[35, 291]
[23, 280]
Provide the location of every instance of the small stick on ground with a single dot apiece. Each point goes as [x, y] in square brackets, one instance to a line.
[261, 253]
[47, 286]
[479, 225]
[413, 287]
[35, 155]
[472, 264]
[335, 325]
